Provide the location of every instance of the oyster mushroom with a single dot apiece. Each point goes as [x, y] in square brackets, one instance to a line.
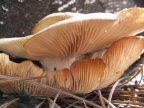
[59, 44]
[83, 76]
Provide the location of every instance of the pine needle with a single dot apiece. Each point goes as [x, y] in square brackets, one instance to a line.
[5, 105]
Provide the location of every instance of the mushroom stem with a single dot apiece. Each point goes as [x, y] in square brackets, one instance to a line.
[52, 64]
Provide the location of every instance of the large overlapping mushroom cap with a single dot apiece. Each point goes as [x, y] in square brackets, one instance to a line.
[79, 35]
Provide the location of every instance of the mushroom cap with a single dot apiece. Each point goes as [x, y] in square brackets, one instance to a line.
[82, 77]
[119, 56]
[52, 19]
[14, 70]
[79, 35]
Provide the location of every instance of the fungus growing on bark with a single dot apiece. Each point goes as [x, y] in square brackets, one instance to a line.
[58, 45]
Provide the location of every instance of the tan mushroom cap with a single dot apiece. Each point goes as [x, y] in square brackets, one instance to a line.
[80, 35]
[77, 35]
[120, 56]
[83, 76]
[20, 70]
[52, 19]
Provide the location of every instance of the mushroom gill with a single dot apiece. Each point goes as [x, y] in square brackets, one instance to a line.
[120, 56]
[83, 76]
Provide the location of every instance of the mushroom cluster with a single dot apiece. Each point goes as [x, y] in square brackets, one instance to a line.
[78, 52]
